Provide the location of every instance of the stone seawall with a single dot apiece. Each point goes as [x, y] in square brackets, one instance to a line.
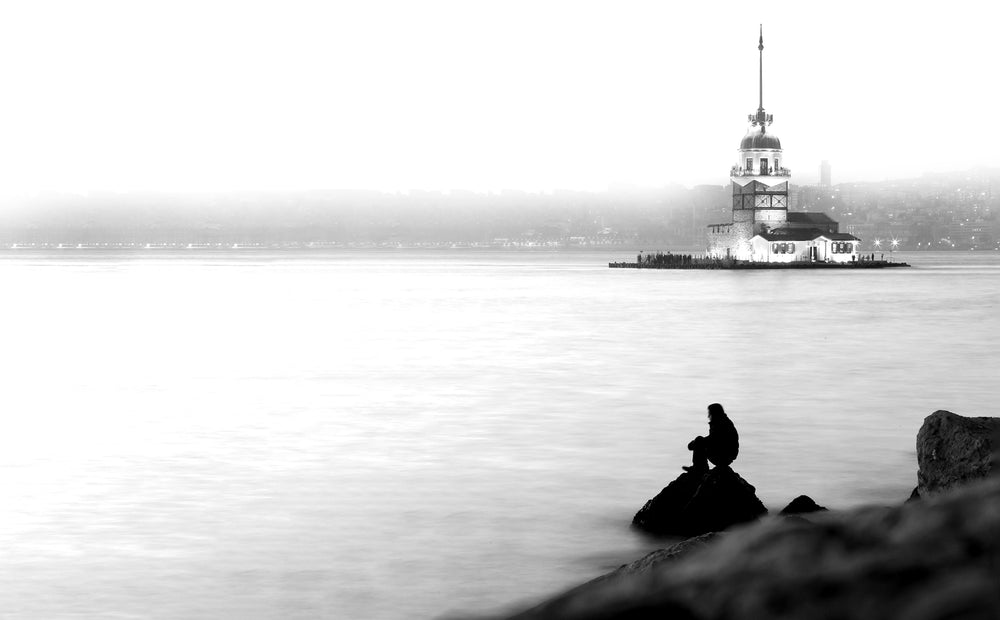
[708, 263]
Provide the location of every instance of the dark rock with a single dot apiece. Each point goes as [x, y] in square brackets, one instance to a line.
[801, 505]
[668, 554]
[953, 450]
[700, 502]
[914, 496]
[933, 559]
[576, 603]
[662, 513]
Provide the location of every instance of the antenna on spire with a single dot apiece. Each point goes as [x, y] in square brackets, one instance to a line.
[761, 118]
[760, 48]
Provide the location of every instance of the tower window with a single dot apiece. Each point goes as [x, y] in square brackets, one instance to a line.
[763, 166]
[777, 166]
[749, 164]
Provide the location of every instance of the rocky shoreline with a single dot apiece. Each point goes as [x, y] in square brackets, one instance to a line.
[934, 556]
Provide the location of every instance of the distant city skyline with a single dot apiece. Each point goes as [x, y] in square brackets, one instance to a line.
[935, 212]
[221, 96]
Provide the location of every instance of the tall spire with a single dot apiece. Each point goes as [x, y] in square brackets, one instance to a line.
[761, 119]
[760, 48]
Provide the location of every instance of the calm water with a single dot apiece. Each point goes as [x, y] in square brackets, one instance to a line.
[407, 435]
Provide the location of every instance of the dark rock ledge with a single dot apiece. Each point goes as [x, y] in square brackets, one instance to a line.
[934, 558]
[937, 558]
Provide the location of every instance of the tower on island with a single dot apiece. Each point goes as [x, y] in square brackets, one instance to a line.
[762, 229]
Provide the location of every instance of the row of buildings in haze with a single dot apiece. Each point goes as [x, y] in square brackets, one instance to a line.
[955, 211]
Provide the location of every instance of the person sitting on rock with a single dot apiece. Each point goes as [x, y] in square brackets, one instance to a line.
[721, 446]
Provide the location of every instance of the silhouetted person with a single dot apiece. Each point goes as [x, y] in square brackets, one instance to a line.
[722, 444]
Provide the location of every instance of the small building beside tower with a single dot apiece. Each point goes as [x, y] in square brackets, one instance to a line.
[762, 229]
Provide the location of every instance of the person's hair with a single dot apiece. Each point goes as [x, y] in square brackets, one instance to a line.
[715, 409]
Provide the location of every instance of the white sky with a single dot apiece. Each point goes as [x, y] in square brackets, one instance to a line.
[217, 95]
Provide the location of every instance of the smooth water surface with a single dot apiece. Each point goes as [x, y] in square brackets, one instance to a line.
[406, 435]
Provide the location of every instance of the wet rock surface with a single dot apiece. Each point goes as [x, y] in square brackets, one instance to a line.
[802, 504]
[953, 450]
[936, 558]
[698, 502]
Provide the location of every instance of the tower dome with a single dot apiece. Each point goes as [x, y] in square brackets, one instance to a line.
[759, 139]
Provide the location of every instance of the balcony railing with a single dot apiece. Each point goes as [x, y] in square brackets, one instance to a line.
[736, 171]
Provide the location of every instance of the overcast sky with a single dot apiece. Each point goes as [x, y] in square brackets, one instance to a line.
[218, 95]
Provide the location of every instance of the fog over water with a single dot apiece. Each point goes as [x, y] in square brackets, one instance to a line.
[408, 434]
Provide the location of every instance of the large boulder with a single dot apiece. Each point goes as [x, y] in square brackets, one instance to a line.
[699, 502]
[933, 559]
[953, 450]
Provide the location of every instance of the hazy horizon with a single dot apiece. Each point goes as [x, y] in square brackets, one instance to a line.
[609, 190]
[389, 96]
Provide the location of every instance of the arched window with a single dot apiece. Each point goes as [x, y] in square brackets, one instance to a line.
[791, 248]
[774, 248]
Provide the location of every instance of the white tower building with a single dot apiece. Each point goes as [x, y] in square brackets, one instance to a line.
[760, 183]
[762, 229]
